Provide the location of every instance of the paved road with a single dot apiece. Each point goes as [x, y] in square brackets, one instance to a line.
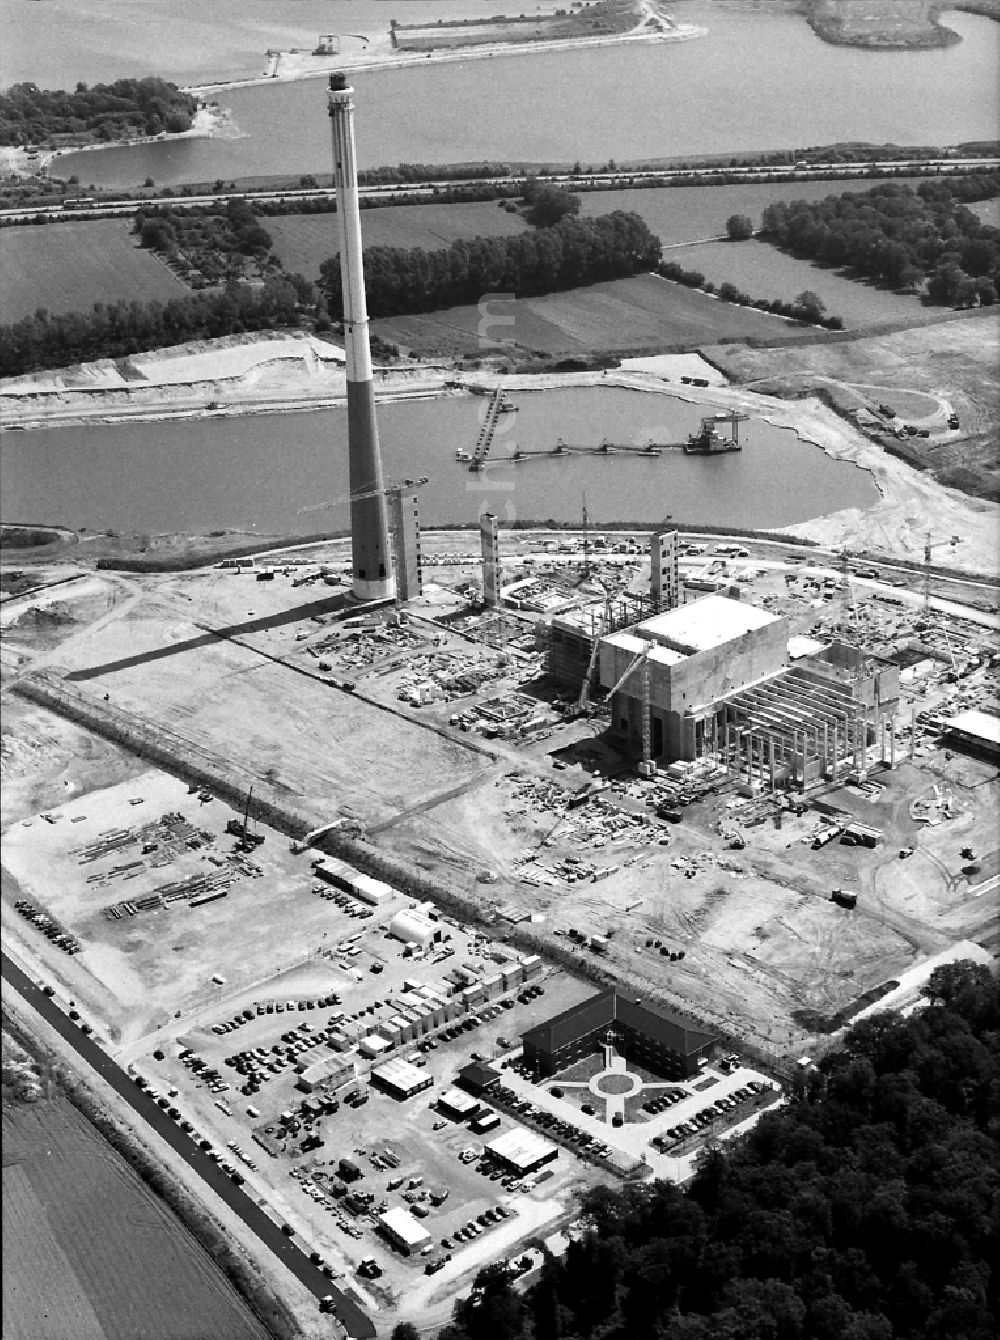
[88, 207]
[356, 1321]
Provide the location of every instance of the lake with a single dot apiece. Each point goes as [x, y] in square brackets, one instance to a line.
[756, 81]
[257, 473]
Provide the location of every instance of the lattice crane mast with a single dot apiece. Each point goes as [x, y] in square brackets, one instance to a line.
[641, 662]
[930, 544]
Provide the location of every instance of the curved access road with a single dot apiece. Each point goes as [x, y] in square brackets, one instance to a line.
[355, 1320]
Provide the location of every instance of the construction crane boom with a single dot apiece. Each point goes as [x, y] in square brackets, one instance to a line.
[594, 648]
[641, 661]
[390, 487]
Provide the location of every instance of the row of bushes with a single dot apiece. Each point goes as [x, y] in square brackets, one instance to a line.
[807, 307]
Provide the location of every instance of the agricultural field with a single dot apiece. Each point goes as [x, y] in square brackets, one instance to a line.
[67, 267]
[303, 241]
[695, 213]
[89, 1251]
[637, 314]
[763, 271]
[676, 215]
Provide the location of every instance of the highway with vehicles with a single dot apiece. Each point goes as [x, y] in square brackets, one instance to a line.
[93, 207]
[346, 1307]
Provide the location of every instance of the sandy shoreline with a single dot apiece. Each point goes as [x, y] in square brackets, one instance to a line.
[292, 67]
[270, 374]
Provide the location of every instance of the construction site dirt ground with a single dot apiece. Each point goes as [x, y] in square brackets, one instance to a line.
[225, 669]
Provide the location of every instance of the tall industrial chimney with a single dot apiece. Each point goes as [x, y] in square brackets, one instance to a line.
[370, 554]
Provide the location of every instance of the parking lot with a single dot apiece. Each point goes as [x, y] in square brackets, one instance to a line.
[233, 1079]
[665, 1124]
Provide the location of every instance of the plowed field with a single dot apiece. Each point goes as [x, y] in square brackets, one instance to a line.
[89, 1252]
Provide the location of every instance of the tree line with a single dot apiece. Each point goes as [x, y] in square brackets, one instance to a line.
[910, 239]
[864, 1210]
[117, 330]
[570, 253]
[567, 254]
[808, 306]
[103, 112]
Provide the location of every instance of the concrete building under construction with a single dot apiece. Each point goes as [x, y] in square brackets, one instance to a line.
[717, 683]
[489, 530]
[664, 570]
[404, 525]
[696, 655]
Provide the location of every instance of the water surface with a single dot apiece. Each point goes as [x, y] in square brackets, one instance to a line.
[756, 81]
[259, 472]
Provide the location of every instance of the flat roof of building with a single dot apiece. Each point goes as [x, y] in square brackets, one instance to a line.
[400, 1074]
[522, 1149]
[980, 725]
[706, 623]
[403, 1225]
[458, 1101]
[633, 645]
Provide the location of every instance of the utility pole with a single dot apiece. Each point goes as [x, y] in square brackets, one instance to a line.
[586, 542]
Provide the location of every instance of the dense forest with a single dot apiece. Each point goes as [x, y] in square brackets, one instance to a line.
[866, 1210]
[906, 238]
[104, 112]
[565, 255]
[115, 330]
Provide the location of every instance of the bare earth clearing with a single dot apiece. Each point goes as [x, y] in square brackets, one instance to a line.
[762, 939]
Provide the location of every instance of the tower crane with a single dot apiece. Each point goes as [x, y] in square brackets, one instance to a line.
[931, 544]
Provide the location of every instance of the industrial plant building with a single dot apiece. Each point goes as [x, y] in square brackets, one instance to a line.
[697, 654]
[717, 679]
[642, 1033]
